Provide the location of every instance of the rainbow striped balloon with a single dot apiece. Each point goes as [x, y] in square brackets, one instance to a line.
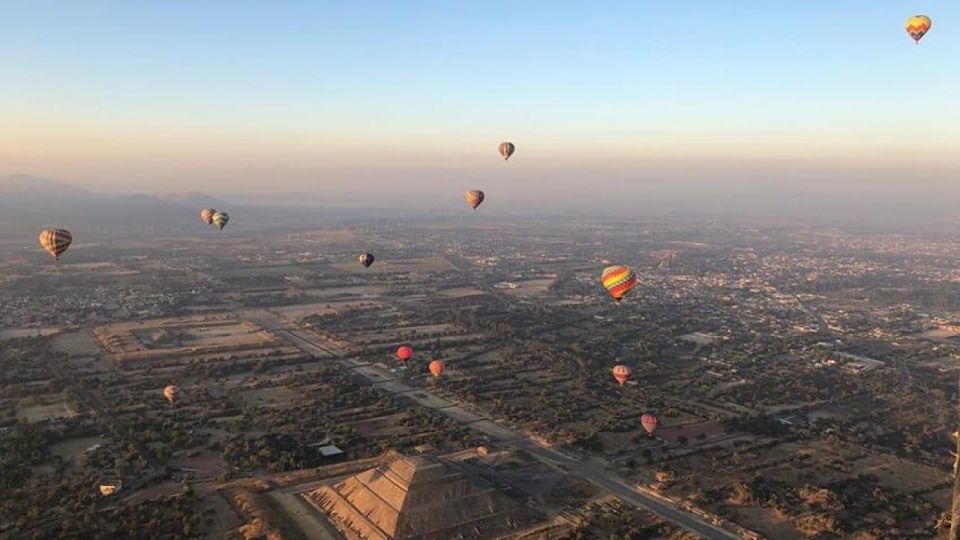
[918, 26]
[618, 280]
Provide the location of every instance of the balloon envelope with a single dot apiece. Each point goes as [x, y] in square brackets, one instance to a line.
[621, 373]
[404, 353]
[507, 149]
[220, 220]
[918, 26]
[366, 260]
[55, 241]
[207, 215]
[649, 423]
[436, 368]
[171, 393]
[474, 197]
[618, 280]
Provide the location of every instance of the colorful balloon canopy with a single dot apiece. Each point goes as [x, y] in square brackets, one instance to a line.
[436, 368]
[621, 373]
[404, 353]
[474, 197]
[649, 423]
[207, 215]
[618, 280]
[171, 393]
[220, 220]
[55, 241]
[366, 259]
[918, 26]
[507, 149]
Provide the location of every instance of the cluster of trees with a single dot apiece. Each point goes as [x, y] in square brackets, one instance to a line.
[273, 452]
[41, 497]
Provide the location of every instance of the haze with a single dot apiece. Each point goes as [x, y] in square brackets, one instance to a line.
[634, 103]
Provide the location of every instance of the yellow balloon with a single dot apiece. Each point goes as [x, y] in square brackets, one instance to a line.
[918, 26]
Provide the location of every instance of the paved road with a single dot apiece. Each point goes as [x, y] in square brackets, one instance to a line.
[592, 469]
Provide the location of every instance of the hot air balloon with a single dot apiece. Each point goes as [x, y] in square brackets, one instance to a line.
[474, 197]
[621, 373]
[171, 393]
[436, 368]
[507, 149]
[649, 423]
[404, 353]
[366, 259]
[220, 220]
[918, 26]
[55, 241]
[207, 215]
[618, 280]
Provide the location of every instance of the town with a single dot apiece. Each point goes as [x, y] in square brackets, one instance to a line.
[804, 379]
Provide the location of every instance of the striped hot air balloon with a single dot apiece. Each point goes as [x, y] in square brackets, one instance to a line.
[366, 259]
[436, 368]
[404, 353]
[507, 149]
[220, 220]
[618, 280]
[621, 373]
[55, 241]
[207, 215]
[918, 26]
[649, 423]
[474, 197]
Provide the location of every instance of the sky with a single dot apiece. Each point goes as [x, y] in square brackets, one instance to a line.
[606, 101]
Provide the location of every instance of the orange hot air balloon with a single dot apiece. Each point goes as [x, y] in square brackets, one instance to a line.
[171, 393]
[55, 241]
[618, 280]
[621, 373]
[649, 423]
[436, 368]
[404, 353]
[918, 26]
[507, 149]
[207, 215]
[474, 197]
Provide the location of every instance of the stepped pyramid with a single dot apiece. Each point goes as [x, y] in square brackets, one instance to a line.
[418, 497]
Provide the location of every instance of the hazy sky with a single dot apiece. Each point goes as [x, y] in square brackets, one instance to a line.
[633, 98]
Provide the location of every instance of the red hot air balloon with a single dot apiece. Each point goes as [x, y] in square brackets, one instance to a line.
[436, 368]
[621, 373]
[649, 423]
[404, 353]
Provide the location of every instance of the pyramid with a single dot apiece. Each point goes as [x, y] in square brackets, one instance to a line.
[418, 497]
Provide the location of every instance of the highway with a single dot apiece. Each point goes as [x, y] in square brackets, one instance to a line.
[590, 468]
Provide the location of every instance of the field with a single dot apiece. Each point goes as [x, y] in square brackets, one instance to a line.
[72, 450]
[12, 333]
[297, 312]
[529, 287]
[46, 407]
[77, 343]
[394, 266]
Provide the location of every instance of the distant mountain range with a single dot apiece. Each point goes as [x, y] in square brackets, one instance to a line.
[33, 202]
[29, 203]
